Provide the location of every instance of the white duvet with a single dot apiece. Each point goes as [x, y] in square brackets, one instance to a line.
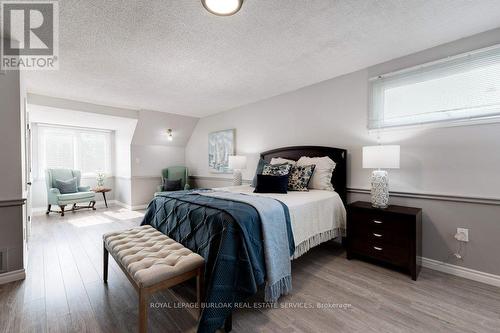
[316, 216]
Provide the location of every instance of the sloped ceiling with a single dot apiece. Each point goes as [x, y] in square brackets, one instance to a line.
[174, 56]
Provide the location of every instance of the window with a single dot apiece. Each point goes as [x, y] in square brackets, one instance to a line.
[66, 147]
[456, 89]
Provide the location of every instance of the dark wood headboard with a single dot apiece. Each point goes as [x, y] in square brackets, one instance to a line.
[339, 156]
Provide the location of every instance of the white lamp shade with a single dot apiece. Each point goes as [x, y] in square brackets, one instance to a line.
[237, 162]
[381, 157]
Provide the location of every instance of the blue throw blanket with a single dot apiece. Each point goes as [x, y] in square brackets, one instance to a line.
[228, 235]
[275, 236]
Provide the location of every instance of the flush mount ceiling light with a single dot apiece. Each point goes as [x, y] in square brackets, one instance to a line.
[222, 7]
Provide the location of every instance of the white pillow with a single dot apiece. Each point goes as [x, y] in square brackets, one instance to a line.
[279, 160]
[322, 176]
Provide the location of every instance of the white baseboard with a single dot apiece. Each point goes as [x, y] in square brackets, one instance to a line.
[20, 274]
[464, 272]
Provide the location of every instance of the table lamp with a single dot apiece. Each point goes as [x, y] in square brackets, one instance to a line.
[380, 157]
[237, 163]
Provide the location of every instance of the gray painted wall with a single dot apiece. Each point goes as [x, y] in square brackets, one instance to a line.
[11, 166]
[461, 161]
[10, 143]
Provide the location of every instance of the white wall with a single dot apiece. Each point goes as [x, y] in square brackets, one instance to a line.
[69, 113]
[152, 152]
[461, 161]
[140, 145]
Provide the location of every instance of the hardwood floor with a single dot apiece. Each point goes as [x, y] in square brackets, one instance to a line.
[64, 292]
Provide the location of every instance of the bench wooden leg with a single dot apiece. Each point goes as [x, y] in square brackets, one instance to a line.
[199, 289]
[143, 311]
[105, 263]
[228, 323]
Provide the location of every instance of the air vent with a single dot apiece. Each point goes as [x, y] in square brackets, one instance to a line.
[3, 260]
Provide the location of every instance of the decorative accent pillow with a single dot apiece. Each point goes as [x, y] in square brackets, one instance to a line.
[277, 169]
[67, 186]
[271, 184]
[258, 171]
[322, 176]
[279, 160]
[299, 177]
[172, 185]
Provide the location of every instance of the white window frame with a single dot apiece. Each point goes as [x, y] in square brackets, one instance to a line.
[41, 151]
[378, 83]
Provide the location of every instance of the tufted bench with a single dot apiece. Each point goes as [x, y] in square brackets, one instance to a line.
[152, 262]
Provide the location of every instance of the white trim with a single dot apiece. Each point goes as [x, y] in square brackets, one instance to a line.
[437, 124]
[460, 271]
[12, 276]
[87, 129]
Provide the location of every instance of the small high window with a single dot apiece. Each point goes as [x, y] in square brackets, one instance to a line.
[457, 89]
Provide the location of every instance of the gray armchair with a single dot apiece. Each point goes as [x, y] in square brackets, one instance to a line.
[55, 197]
[175, 173]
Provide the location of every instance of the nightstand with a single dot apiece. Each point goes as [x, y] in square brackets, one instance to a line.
[391, 236]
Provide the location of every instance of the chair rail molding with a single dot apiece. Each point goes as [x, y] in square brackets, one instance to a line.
[434, 196]
[12, 202]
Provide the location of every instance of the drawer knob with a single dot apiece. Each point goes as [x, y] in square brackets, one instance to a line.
[377, 235]
[377, 222]
[377, 248]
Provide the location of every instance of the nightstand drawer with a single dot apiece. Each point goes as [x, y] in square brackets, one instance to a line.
[382, 236]
[395, 255]
[378, 221]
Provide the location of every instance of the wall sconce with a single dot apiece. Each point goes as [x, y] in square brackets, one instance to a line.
[170, 137]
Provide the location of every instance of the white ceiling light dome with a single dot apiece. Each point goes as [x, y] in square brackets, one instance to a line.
[222, 7]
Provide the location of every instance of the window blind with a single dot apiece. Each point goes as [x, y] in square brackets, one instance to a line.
[460, 88]
[86, 150]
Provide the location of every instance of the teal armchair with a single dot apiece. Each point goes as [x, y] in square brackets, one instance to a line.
[54, 196]
[175, 173]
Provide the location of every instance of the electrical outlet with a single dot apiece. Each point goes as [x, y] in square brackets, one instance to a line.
[462, 234]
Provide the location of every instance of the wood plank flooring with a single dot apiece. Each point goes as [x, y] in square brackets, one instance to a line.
[64, 292]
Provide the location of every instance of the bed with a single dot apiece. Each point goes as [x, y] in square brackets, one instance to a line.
[231, 228]
[316, 216]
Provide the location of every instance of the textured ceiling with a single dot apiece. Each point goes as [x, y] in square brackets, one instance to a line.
[174, 56]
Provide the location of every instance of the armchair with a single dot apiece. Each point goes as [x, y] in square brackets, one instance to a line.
[54, 196]
[175, 173]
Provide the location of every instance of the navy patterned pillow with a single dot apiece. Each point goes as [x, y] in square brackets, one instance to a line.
[300, 176]
[276, 169]
[67, 186]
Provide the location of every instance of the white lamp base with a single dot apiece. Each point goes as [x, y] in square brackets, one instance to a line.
[380, 189]
[237, 179]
